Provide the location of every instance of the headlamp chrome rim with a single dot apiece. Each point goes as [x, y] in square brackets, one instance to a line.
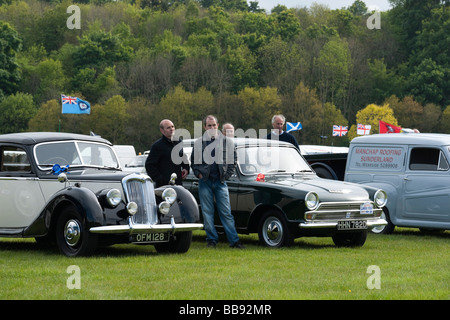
[380, 198]
[169, 195]
[113, 197]
[132, 208]
[164, 207]
[311, 200]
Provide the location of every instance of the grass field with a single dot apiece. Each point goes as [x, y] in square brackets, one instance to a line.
[412, 266]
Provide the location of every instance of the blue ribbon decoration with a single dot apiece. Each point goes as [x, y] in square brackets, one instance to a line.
[57, 169]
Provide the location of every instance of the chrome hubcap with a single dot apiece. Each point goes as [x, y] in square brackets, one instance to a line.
[379, 229]
[72, 232]
[273, 231]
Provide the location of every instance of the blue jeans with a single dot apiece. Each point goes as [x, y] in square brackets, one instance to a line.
[208, 191]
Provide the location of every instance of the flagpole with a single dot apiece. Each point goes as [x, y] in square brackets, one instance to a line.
[59, 125]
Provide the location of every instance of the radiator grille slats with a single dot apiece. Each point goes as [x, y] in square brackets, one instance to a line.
[141, 191]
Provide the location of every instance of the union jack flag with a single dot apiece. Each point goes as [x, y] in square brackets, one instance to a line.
[339, 131]
[68, 99]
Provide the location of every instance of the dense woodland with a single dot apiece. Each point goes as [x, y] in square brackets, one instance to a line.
[139, 61]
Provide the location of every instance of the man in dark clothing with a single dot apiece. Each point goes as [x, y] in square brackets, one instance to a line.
[213, 161]
[160, 162]
[277, 132]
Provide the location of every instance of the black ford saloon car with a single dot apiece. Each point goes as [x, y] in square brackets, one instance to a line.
[69, 189]
[275, 193]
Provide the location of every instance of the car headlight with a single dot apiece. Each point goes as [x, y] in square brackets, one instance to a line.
[164, 207]
[380, 198]
[114, 197]
[132, 208]
[169, 195]
[312, 200]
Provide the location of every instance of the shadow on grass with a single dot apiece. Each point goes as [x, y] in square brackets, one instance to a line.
[29, 246]
[250, 241]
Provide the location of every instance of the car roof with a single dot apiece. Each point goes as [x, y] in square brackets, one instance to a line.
[426, 139]
[30, 138]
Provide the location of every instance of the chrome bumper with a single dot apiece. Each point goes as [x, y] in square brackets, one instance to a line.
[333, 224]
[147, 228]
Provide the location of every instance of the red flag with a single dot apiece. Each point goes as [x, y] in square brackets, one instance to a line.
[388, 128]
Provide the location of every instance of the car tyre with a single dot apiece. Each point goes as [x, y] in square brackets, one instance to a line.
[273, 231]
[72, 237]
[387, 229]
[180, 244]
[350, 239]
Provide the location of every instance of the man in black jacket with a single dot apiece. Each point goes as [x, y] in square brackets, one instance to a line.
[160, 162]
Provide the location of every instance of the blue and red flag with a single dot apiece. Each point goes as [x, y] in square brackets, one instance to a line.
[75, 105]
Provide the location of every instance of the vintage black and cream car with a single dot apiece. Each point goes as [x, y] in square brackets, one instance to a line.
[69, 189]
[275, 193]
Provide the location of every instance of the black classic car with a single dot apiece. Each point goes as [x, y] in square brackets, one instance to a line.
[69, 189]
[275, 193]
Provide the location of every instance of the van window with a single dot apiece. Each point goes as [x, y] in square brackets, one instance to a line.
[428, 159]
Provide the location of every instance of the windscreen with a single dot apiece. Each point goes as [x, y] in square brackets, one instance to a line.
[75, 153]
[270, 159]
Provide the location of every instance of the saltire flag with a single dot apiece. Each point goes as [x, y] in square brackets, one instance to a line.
[293, 126]
[363, 129]
[388, 128]
[339, 131]
[75, 105]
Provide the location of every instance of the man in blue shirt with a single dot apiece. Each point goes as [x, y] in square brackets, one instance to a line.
[277, 132]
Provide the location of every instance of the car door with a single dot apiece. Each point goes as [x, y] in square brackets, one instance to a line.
[426, 197]
[21, 199]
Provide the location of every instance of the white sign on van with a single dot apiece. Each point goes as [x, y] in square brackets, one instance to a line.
[385, 158]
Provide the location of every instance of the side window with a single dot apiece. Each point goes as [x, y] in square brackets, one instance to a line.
[14, 159]
[428, 159]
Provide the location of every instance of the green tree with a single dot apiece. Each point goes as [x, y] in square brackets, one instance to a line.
[258, 106]
[10, 44]
[358, 8]
[429, 82]
[286, 25]
[47, 118]
[281, 65]
[305, 107]
[16, 110]
[241, 64]
[109, 120]
[99, 49]
[445, 120]
[51, 78]
[142, 127]
[183, 107]
[408, 112]
[334, 64]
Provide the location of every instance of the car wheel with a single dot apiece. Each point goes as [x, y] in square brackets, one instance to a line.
[273, 231]
[72, 237]
[387, 229]
[350, 239]
[180, 244]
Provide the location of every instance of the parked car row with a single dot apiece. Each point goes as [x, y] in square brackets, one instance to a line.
[70, 190]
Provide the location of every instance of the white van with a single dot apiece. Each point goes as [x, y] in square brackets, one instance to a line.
[125, 153]
[413, 169]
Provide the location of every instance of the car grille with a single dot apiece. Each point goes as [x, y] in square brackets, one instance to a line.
[139, 188]
[329, 211]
